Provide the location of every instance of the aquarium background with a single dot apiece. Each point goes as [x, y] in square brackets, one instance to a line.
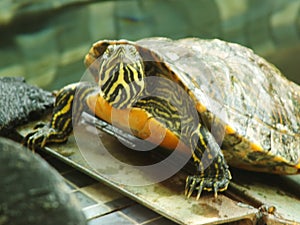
[45, 40]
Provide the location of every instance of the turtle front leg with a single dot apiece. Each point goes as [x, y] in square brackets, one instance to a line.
[69, 104]
[212, 171]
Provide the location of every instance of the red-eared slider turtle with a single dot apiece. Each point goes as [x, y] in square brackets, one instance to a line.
[227, 84]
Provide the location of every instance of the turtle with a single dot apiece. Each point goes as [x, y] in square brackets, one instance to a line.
[240, 110]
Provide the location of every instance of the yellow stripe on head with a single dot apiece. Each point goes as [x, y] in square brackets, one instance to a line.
[121, 75]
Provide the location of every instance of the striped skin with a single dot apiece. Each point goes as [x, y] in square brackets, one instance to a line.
[163, 111]
[62, 120]
[121, 77]
[213, 173]
[256, 137]
[169, 110]
[121, 74]
[69, 104]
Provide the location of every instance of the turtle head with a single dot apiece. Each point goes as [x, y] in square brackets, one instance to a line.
[121, 75]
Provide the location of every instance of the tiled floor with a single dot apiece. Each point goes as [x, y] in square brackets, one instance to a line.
[102, 205]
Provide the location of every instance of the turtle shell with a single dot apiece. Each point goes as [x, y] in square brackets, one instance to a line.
[252, 110]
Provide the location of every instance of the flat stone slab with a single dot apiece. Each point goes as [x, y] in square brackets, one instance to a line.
[250, 197]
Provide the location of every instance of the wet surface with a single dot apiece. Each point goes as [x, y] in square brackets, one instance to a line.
[243, 201]
[272, 191]
[166, 198]
[204, 209]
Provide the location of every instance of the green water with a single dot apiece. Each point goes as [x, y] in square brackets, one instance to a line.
[45, 41]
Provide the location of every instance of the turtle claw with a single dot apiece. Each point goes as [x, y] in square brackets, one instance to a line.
[190, 187]
[199, 183]
[194, 183]
[216, 189]
[199, 190]
[38, 138]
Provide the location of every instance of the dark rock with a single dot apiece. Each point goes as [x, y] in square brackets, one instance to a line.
[20, 102]
[32, 192]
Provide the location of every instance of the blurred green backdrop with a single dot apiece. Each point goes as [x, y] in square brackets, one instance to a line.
[45, 40]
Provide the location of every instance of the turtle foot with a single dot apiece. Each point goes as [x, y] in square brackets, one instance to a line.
[198, 184]
[41, 135]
